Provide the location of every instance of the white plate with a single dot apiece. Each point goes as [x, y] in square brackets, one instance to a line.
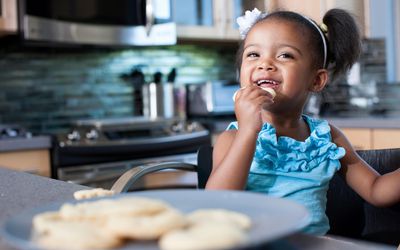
[272, 218]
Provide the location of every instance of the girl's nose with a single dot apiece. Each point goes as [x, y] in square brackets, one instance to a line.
[266, 66]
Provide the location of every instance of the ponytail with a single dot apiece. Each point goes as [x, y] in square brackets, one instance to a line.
[343, 39]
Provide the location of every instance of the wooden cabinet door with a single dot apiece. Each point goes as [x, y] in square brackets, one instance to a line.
[316, 9]
[386, 138]
[31, 161]
[310, 8]
[360, 138]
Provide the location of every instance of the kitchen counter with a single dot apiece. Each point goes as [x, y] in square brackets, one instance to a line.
[20, 191]
[365, 122]
[30, 143]
[218, 125]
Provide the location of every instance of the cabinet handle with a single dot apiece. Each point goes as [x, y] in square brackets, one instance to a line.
[149, 16]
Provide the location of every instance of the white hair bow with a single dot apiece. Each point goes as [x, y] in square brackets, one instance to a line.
[246, 21]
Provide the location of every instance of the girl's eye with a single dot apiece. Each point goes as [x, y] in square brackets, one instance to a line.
[286, 56]
[252, 54]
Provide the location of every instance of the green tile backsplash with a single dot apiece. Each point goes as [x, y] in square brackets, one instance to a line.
[45, 89]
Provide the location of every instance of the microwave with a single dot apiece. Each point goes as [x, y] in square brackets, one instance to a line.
[98, 22]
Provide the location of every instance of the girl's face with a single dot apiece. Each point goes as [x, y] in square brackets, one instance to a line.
[276, 54]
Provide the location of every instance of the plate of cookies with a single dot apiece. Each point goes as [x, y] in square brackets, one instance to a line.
[158, 220]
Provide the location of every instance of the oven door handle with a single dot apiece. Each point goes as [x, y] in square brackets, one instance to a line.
[131, 176]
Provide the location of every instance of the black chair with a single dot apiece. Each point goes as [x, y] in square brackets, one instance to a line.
[349, 215]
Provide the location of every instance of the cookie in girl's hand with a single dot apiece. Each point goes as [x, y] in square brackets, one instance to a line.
[269, 90]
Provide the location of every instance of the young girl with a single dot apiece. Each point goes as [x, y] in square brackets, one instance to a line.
[273, 148]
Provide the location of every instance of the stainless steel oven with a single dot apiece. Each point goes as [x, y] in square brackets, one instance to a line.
[96, 152]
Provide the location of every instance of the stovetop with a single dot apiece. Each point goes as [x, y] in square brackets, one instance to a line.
[129, 130]
[8, 131]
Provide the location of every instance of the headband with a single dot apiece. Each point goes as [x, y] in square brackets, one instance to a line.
[321, 33]
[246, 21]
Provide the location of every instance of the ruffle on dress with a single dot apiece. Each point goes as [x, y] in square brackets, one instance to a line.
[286, 154]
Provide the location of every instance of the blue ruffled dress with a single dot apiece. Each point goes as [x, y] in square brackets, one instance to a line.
[297, 170]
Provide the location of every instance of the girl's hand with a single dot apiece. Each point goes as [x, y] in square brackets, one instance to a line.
[249, 102]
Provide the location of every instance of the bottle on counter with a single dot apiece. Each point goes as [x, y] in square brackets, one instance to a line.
[153, 97]
[169, 101]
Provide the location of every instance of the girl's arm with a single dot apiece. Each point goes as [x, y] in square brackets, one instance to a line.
[379, 190]
[232, 156]
[234, 149]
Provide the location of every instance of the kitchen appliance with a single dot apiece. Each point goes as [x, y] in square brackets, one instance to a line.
[97, 152]
[211, 98]
[122, 22]
[9, 131]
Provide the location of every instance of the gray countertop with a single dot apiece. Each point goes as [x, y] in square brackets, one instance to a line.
[30, 143]
[20, 191]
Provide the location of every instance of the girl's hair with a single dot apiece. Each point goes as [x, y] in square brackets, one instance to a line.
[343, 39]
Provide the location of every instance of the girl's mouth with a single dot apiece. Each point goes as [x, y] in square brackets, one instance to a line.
[267, 83]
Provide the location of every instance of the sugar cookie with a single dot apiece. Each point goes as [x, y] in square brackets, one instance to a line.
[146, 227]
[203, 236]
[219, 216]
[269, 90]
[110, 207]
[92, 193]
[51, 231]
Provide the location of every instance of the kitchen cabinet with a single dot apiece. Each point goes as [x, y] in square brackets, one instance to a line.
[386, 138]
[373, 138]
[32, 161]
[27, 154]
[210, 19]
[316, 9]
[360, 138]
[8, 16]
[216, 19]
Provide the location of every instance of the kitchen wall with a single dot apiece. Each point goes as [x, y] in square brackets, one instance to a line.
[45, 89]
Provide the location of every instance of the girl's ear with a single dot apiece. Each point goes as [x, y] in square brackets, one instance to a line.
[321, 78]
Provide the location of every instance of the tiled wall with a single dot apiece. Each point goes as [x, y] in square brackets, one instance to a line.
[45, 89]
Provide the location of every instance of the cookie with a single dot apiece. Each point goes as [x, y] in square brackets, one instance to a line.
[113, 207]
[51, 231]
[146, 227]
[92, 193]
[269, 90]
[203, 236]
[219, 216]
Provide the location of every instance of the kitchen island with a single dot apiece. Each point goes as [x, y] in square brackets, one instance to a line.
[20, 191]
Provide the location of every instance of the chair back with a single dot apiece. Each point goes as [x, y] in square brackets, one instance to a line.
[349, 215]
[204, 165]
